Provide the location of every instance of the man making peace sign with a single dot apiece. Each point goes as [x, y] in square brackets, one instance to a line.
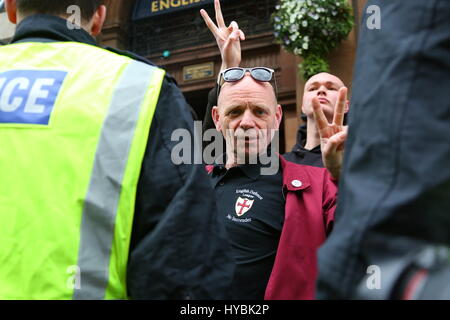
[277, 221]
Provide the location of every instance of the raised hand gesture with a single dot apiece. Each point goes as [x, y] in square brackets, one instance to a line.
[332, 135]
[228, 38]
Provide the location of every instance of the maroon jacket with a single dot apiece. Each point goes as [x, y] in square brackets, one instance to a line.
[310, 194]
[308, 218]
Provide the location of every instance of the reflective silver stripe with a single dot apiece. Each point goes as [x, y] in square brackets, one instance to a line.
[102, 199]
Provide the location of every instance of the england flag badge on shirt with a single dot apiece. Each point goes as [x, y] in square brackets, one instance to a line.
[243, 205]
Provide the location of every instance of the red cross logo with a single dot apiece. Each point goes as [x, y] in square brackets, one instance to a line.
[243, 205]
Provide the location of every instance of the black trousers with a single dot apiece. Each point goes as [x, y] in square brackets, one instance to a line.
[396, 176]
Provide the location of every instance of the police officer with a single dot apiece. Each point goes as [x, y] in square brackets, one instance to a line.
[91, 205]
[394, 194]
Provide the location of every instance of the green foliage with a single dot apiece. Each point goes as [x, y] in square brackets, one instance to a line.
[312, 28]
[312, 65]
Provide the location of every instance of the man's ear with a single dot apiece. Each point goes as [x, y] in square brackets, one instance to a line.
[215, 117]
[98, 20]
[303, 109]
[11, 10]
[347, 106]
[279, 115]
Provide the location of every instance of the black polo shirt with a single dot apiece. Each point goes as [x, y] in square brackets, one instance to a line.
[300, 155]
[252, 208]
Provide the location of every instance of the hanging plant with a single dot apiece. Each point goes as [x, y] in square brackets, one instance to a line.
[311, 29]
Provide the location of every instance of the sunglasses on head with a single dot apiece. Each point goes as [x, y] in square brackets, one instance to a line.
[262, 74]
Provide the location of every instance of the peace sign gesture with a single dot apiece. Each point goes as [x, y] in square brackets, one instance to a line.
[228, 38]
[332, 135]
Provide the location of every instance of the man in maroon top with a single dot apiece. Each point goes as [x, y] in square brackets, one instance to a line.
[275, 222]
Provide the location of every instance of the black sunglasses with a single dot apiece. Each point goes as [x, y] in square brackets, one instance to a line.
[262, 74]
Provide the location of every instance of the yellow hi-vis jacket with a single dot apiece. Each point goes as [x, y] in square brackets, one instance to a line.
[74, 125]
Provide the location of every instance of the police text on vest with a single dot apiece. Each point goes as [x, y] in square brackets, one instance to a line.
[28, 96]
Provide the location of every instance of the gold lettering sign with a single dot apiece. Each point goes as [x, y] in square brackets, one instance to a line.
[198, 71]
[162, 5]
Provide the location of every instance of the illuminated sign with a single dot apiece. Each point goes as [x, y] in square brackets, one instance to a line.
[149, 8]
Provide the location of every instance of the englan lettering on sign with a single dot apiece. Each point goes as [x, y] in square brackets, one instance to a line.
[161, 5]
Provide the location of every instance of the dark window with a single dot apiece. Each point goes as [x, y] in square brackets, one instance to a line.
[186, 28]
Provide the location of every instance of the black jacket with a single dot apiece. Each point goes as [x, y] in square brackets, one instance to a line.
[395, 182]
[178, 248]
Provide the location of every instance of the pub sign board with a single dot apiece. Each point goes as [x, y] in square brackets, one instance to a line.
[150, 8]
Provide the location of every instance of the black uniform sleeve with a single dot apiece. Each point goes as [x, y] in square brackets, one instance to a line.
[178, 248]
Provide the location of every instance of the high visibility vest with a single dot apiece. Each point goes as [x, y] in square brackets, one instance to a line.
[74, 125]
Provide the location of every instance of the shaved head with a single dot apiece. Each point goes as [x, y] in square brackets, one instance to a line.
[325, 75]
[325, 87]
[248, 107]
[247, 87]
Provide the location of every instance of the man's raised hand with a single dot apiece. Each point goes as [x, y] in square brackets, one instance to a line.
[228, 38]
[332, 135]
